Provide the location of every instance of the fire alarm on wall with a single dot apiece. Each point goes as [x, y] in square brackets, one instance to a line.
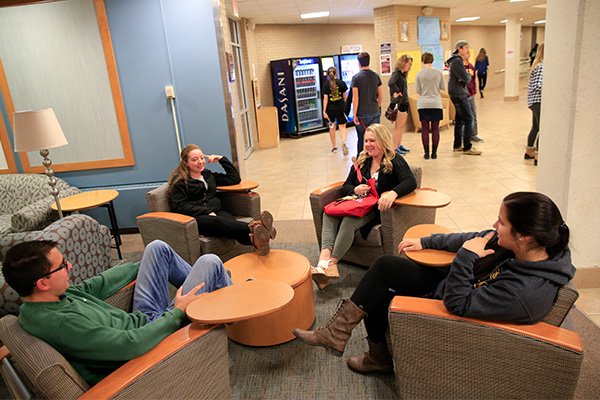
[427, 10]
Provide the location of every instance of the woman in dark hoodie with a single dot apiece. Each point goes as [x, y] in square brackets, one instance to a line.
[512, 273]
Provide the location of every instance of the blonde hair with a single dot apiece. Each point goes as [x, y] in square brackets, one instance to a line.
[383, 138]
[182, 172]
[404, 58]
[539, 56]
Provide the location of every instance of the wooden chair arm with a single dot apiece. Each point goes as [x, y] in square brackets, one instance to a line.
[4, 353]
[326, 189]
[168, 216]
[136, 368]
[539, 331]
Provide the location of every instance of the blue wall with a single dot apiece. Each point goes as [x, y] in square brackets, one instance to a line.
[159, 43]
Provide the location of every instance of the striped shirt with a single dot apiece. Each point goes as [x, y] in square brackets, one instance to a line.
[534, 90]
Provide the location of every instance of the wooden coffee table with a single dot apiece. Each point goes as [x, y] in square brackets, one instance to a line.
[92, 199]
[429, 257]
[243, 186]
[231, 303]
[284, 266]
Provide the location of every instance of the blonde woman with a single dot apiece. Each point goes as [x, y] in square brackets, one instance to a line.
[399, 96]
[393, 179]
[193, 192]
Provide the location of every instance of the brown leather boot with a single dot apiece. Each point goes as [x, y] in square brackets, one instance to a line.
[335, 334]
[266, 219]
[377, 359]
[260, 238]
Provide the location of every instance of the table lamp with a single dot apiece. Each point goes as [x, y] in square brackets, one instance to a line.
[40, 130]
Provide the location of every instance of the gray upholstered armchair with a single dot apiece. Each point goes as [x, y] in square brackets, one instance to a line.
[181, 231]
[383, 238]
[81, 239]
[25, 201]
[193, 362]
[438, 355]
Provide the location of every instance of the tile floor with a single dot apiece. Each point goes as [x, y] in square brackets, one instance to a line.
[288, 173]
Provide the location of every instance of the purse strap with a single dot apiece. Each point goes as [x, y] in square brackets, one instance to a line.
[358, 172]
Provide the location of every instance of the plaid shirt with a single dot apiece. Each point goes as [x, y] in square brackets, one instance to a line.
[534, 90]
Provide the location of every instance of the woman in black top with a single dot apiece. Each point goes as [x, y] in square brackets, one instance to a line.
[399, 96]
[193, 192]
[512, 273]
[334, 97]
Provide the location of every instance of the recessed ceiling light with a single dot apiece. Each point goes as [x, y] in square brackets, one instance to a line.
[517, 1]
[540, 6]
[319, 14]
[541, 21]
[504, 21]
[467, 19]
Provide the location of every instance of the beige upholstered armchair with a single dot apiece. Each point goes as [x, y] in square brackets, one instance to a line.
[193, 362]
[81, 239]
[383, 238]
[438, 355]
[181, 231]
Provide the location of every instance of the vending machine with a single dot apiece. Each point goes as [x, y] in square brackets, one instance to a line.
[297, 86]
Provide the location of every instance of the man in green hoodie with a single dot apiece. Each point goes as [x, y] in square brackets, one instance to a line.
[93, 336]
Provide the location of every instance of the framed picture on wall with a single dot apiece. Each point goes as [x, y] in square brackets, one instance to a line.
[444, 30]
[403, 30]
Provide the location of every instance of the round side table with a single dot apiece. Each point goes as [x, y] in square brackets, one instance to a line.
[275, 328]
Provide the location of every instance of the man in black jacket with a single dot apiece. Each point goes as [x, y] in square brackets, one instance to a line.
[457, 89]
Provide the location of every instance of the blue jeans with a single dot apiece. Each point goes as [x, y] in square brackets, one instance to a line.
[362, 122]
[464, 117]
[161, 266]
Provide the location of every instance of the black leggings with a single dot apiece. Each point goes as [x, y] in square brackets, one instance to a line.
[224, 225]
[482, 81]
[535, 125]
[390, 276]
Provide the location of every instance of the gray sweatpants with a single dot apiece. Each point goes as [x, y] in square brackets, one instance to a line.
[338, 232]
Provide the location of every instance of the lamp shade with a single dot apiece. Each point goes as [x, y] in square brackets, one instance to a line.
[37, 130]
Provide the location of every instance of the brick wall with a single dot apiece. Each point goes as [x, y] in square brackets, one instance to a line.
[275, 42]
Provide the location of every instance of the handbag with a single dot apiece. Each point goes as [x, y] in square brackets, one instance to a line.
[391, 113]
[354, 206]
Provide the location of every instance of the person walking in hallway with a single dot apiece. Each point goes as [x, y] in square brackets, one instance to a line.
[534, 102]
[399, 97]
[457, 89]
[429, 82]
[472, 89]
[367, 96]
[334, 98]
[481, 66]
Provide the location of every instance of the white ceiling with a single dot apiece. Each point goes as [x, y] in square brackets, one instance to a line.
[361, 11]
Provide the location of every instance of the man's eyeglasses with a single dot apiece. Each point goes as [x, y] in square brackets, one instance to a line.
[63, 265]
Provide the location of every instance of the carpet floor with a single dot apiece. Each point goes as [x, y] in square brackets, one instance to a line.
[295, 371]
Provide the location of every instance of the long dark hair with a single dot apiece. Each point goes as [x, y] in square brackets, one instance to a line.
[534, 214]
[481, 56]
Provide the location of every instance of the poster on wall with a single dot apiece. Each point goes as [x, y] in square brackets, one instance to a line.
[351, 48]
[438, 55]
[385, 64]
[428, 31]
[385, 48]
[231, 67]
